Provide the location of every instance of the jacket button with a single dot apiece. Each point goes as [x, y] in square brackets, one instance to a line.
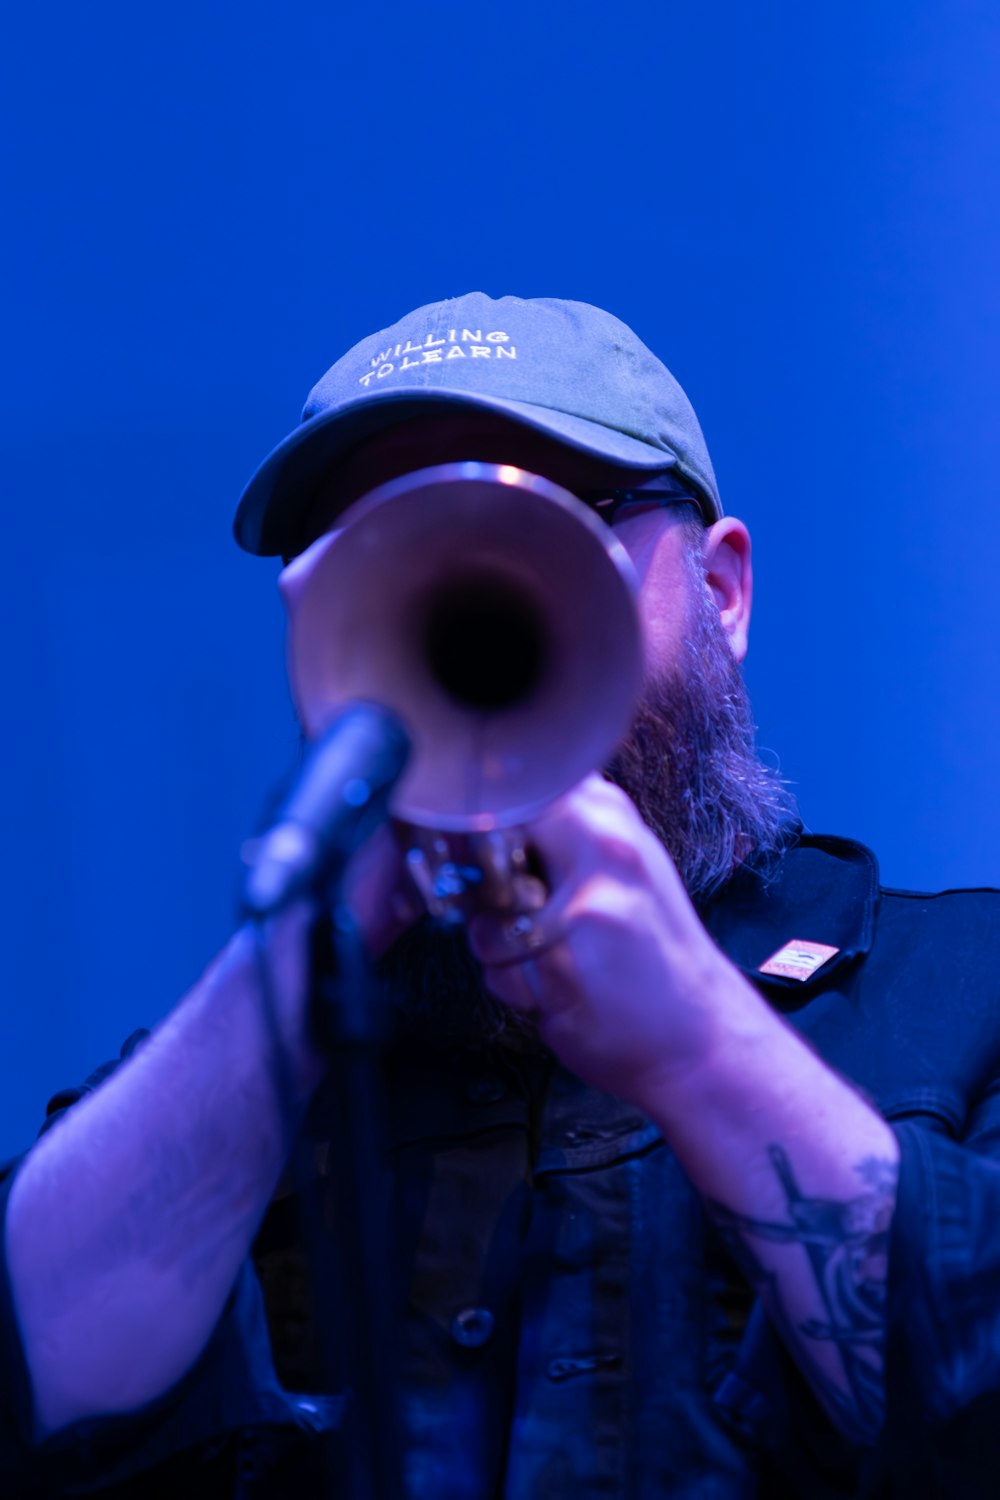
[472, 1327]
[486, 1089]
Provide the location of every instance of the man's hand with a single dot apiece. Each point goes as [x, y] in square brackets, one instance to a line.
[624, 982]
[379, 892]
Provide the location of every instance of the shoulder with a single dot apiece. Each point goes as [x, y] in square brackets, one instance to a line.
[963, 915]
[985, 896]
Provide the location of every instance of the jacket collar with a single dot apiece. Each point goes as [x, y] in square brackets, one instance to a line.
[823, 890]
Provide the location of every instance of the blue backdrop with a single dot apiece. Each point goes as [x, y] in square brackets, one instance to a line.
[796, 206]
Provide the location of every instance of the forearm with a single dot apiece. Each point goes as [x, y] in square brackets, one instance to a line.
[798, 1173]
[127, 1224]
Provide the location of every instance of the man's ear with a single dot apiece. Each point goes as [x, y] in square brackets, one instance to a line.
[729, 575]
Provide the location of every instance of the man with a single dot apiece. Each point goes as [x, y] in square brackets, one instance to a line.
[656, 1234]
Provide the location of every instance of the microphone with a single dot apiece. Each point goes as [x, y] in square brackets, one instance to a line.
[341, 794]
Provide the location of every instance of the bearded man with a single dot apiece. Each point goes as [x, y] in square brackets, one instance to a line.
[695, 1166]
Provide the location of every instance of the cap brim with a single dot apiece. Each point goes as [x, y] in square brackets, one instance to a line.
[274, 504]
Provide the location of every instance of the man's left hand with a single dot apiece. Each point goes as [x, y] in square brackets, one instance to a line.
[621, 977]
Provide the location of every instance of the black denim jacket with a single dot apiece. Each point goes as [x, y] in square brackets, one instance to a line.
[572, 1326]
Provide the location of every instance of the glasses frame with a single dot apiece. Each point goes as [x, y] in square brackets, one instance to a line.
[612, 505]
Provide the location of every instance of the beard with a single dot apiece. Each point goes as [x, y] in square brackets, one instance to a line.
[690, 765]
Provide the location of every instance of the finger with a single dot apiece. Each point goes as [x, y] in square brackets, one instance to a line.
[518, 986]
[538, 987]
[595, 823]
[498, 939]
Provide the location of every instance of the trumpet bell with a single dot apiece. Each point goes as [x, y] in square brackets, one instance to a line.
[495, 614]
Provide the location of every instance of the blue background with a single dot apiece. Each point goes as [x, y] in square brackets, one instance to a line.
[796, 206]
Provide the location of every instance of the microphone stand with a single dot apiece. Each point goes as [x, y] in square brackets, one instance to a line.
[358, 1337]
[352, 1023]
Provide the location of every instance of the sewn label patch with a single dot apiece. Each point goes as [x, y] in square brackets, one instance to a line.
[797, 959]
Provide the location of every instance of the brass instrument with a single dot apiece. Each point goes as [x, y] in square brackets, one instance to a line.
[496, 615]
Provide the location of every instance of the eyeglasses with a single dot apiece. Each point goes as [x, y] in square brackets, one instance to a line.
[618, 505]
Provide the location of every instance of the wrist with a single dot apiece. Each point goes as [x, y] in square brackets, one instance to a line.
[737, 1038]
[753, 1083]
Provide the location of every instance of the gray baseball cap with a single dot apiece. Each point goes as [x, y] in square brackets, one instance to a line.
[564, 369]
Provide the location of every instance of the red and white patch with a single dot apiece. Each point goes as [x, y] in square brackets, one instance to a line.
[797, 959]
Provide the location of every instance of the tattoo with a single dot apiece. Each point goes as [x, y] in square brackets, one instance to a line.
[846, 1245]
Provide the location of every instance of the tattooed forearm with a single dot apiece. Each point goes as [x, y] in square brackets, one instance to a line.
[845, 1244]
